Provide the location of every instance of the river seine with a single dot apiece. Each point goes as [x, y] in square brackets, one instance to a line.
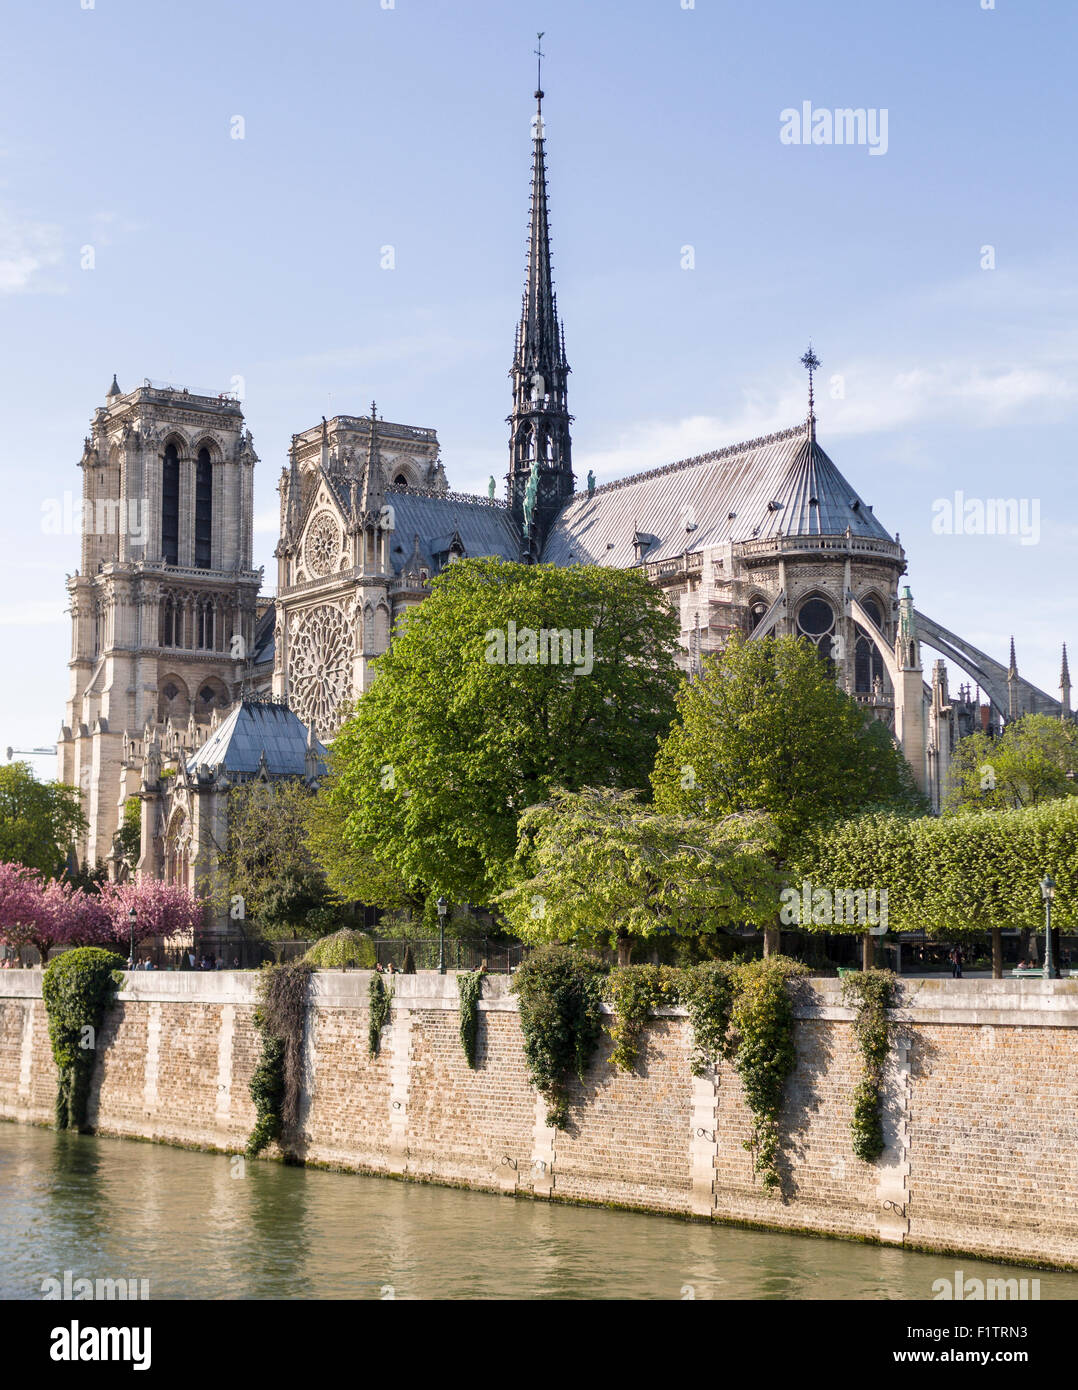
[205, 1226]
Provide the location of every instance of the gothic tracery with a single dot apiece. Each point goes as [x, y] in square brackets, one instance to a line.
[320, 666]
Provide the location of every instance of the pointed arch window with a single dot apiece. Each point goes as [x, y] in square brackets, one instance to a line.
[816, 621]
[868, 663]
[203, 509]
[204, 626]
[757, 612]
[169, 627]
[170, 506]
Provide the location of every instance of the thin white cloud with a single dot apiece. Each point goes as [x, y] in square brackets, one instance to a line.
[29, 251]
[865, 398]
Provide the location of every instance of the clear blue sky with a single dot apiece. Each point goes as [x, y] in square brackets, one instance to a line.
[409, 126]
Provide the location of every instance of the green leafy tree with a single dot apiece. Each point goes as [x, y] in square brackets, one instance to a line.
[462, 731]
[268, 867]
[596, 868]
[38, 820]
[765, 728]
[294, 900]
[957, 874]
[129, 835]
[352, 871]
[1034, 759]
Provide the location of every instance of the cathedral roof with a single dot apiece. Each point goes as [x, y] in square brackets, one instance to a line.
[265, 638]
[781, 485]
[253, 729]
[483, 527]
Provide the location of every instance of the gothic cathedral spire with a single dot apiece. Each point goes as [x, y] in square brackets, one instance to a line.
[539, 440]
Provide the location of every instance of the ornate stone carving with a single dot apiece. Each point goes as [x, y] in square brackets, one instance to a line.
[320, 666]
[322, 548]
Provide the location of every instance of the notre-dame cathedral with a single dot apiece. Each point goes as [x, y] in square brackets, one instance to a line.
[185, 681]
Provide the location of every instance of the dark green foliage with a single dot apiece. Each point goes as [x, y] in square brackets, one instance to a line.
[293, 898]
[267, 1092]
[379, 1008]
[470, 987]
[129, 835]
[634, 991]
[871, 993]
[707, 991]
[76, 988]
[560, 992]
[277, 1083]
[735, 746]
[38, 820]
[762, 1020]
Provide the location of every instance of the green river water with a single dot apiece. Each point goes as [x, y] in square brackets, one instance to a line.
[114, 1208]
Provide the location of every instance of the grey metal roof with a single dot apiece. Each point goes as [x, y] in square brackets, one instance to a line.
[265, 640]
[724, 494]
[485, 528]
[254, 728]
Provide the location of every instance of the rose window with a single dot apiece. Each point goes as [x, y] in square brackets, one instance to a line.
[320, 668]
[323, 546]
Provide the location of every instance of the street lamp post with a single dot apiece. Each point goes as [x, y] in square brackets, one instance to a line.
[132, 916]
[1048, 893]
[443, 908]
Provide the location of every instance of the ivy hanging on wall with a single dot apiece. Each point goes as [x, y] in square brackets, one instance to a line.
[470, 988]
[378, 1016]
[870, 993]
[762, 1020]
[561, 1018]
[635, 991]
[277, 1082]
[77, 988]
[707, 992]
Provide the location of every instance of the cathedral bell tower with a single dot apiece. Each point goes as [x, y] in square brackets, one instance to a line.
[540, 478]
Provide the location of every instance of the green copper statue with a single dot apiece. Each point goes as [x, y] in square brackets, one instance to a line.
[591, 483]
[530, 499]
[490, 488]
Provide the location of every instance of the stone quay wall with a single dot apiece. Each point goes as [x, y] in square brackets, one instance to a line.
[981, 1112]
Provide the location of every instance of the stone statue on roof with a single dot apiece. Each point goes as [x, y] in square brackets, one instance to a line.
[531, 497]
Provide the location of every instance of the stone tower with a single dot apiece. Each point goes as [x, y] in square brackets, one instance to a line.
[342, 560]
[539, 439]
[163, 604]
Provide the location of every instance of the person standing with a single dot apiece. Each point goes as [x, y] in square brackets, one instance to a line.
[956, 963]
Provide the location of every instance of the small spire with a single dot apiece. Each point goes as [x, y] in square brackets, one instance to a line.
[810, 362]
[1065, 684]
[1012, 671]
[1065, 675]
[294, 485]
[539, 71]
[114, 389]
[372, 498]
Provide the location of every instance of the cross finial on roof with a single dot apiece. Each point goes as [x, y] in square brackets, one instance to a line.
[539, 67]
[810, 362]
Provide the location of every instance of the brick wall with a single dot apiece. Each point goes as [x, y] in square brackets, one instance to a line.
[980, 1118]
